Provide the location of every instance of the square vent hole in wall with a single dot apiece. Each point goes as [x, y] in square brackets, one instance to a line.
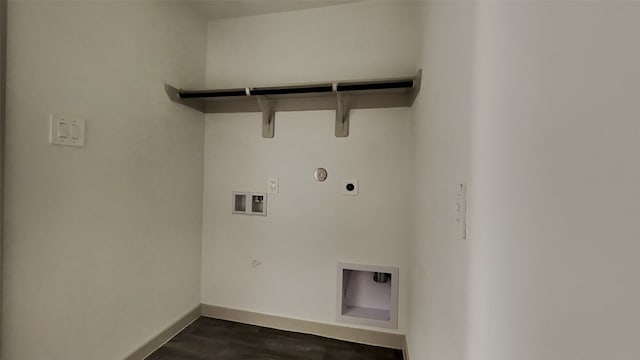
[368, 295]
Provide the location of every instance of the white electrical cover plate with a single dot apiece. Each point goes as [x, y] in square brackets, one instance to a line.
[66, 131]
[273, 185]
[461, 209]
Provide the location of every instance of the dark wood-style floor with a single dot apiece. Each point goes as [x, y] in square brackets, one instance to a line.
[212, 339]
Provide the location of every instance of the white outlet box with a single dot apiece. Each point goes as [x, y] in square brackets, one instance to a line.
[66, 131]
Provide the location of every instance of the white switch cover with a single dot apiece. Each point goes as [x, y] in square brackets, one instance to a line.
[66, 131]
[461, 209]
[62, 129]
[273, 185]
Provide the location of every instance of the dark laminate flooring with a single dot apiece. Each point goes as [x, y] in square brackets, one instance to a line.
[212, 339]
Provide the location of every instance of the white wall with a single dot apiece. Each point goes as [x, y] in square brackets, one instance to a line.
[310, 226]
[438, 287]
[3, 63]
[555, 182]
[102, 244]
[352, 41]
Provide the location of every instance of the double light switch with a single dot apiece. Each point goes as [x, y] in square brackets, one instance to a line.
[66, 131]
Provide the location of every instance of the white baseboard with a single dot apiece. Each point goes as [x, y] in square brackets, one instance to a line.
[363, 336]
[165, 335]
[405, 349]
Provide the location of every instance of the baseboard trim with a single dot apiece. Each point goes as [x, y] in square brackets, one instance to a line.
[165, 335]
[405, 349]
[363, 336]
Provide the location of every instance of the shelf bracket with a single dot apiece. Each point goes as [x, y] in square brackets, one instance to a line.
[268, 116]
[342, 116]
[174, 95]
[416, 86]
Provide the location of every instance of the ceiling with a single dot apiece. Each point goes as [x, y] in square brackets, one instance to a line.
[222, 9]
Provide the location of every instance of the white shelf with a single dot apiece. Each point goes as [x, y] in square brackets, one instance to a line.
[340, 96]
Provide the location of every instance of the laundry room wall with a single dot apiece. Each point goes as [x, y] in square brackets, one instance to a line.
[310, 226]
[102, 243]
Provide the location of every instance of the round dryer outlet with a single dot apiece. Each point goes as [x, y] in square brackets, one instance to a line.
[350, 187]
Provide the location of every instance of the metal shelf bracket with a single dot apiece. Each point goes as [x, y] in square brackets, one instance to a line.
[268, 116]
[342, 115]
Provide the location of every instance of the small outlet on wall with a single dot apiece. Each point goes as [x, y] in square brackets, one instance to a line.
[350, 187]
[255, 263]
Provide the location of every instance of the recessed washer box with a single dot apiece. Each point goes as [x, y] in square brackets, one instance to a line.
[249, 203]
[258, 204]
[367, 295]
[239, 203]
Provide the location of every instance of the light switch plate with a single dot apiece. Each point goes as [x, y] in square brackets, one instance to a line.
[66, 131]
[461, 209]
[273, 185]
